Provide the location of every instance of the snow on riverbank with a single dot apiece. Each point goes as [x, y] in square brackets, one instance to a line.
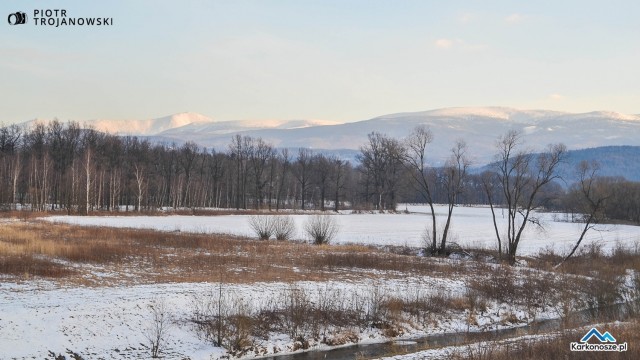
[472, 226]
[111, 322]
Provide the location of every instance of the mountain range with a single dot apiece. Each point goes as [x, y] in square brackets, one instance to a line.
[479, 127]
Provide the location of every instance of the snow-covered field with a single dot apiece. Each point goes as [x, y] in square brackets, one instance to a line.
[38, 317]
[472, 226]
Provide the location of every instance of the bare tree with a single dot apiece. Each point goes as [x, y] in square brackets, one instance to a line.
[340, 168]
[522, 174]
[285, 162]
[454, 177]
[381, 161]
[323, 171]
[238, 153]
[591, 196]
[490, 183]
[139, 175]
[302, 172]
[88, 174]
[259, 152]
[421, 174]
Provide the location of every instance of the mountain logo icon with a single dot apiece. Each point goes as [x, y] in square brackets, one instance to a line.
[606, 337]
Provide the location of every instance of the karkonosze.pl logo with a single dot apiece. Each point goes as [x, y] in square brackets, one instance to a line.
[17, 18]
[57, 18]
[607, 342]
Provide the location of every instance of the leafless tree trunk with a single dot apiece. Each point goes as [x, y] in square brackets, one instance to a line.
[489, 186]
[455, 175]
[592, 196]
[303, 173]
[87, 168]
[338, 186]
[15, 174]
[416, 160]
[140, 185]
[285, 159]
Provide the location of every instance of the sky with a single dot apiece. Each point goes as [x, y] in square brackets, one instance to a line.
[342, 60]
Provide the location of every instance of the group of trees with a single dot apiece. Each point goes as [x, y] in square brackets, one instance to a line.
[62, 166]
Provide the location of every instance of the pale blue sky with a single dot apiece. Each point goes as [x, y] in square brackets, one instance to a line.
[337, 60]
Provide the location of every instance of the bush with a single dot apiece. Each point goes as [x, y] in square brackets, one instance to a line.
[321, 229]
[262, 225]
[284, 228]
[158, 327]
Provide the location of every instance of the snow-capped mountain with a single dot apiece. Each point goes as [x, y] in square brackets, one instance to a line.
[234, 126]
[479, 127]
[138, 127]
[187, 124]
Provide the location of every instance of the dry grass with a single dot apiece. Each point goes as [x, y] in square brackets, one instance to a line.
[26, 266]
[556, 347]
[32, 248]
[590, 258]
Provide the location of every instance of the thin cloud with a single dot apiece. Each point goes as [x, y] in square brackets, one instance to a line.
[466, 18]
[444, 43]
[514, 18]
[556, 97]
[458, 44]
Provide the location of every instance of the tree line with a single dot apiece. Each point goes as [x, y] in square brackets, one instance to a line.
[62, 166]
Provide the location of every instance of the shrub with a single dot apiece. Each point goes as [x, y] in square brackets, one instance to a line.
[284, 228]
[321, 229]
[158, 327]
[262, 225]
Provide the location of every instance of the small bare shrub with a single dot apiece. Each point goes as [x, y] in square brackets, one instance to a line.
[321, 229]
[210, 313]
[376, 298]
[500, 284]
[262, 225]
[240, 326]
[158, 327]
[296, 310]
[284, 228]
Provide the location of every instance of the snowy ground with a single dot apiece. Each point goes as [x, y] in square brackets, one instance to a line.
[38, 317]
[471, 226]
[112, 322]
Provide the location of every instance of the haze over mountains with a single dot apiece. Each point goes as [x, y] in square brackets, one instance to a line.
[479, 127]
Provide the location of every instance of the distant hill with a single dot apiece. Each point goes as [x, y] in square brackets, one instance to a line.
[479, 127]
[614, 161]
[137, 127]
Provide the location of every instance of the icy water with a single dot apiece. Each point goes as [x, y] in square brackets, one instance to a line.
[581, 318]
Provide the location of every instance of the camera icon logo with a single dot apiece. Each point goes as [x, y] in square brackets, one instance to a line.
[17, 18]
